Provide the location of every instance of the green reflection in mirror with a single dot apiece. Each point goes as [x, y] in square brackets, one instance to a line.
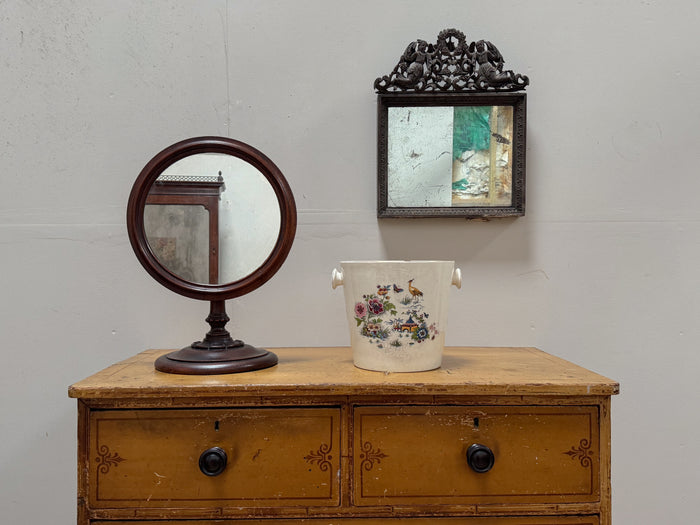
[444, 156]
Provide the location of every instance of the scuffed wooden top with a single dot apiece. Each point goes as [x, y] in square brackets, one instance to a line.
[464, 371]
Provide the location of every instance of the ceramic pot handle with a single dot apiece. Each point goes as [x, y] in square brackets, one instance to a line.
[457, 278]
[336, 279]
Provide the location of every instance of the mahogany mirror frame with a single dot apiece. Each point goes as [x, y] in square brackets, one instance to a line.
[217, 353]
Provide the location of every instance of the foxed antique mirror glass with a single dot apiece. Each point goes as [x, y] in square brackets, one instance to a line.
[451, 132]
[212, 218]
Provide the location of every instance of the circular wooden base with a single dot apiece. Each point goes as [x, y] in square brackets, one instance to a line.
[197, 361]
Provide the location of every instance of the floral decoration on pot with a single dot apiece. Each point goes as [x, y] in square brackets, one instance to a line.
[394, 316]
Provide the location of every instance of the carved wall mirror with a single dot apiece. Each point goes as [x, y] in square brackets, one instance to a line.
[212, 218]
[451, 132]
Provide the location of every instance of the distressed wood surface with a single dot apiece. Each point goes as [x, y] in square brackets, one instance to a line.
[547, 420]
[330, 371]
[414, 455]
[562, 520]
[277, 457]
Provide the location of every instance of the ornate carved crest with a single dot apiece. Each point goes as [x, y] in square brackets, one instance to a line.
[450, 65]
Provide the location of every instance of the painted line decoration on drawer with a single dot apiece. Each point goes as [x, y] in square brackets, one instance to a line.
[106, 459]
[369, 456]
[322, 457]
[582, 453]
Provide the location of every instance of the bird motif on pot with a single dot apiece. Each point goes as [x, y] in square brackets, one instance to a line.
[415, 292]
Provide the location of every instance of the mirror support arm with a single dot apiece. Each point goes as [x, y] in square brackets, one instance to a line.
[218, 338]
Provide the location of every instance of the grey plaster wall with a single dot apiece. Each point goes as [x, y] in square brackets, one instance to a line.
[603, 270]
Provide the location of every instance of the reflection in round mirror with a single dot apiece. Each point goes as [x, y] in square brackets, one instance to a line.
[211, 218]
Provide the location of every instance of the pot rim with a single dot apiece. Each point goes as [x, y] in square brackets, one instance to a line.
[378, 262]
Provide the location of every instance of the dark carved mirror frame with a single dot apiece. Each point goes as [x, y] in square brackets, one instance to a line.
[218, 352]
[451, 73]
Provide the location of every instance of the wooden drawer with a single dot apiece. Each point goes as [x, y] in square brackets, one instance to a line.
[275, 457]
[417, 455]
[531, 520]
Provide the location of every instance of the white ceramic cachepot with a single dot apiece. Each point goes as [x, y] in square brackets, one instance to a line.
[397, 312]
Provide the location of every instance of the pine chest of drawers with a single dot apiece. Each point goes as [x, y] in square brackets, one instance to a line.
[497, 436]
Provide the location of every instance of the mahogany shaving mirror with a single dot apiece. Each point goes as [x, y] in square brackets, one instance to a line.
[212, 218]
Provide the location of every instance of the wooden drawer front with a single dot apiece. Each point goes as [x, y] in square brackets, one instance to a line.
[417, 455]
[276, 457]
[531, 520]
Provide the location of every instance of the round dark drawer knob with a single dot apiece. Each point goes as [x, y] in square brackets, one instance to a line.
[212, 462]
[480, 458]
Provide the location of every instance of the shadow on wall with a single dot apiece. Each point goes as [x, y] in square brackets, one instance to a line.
[493, 241]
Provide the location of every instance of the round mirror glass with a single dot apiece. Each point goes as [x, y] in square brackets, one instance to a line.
[211, 218]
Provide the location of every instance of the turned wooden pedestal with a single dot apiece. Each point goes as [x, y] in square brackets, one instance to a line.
[496, 436]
